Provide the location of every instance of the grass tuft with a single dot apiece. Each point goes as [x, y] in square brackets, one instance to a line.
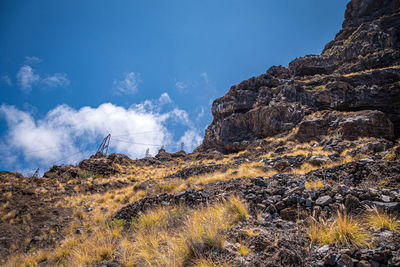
[377, 220]
[243, 250]
[314, 184]
[238, 209]
[343, 230]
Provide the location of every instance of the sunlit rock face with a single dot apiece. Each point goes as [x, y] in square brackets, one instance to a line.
[356, 79]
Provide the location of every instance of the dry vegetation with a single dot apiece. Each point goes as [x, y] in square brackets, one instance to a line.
[343, 230]
[346, 230]
[178, 236]
[174, 236]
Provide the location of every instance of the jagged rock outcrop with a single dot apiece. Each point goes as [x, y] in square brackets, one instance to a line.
[355, 83]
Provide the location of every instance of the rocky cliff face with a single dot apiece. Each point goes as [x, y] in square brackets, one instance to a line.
[351, 89]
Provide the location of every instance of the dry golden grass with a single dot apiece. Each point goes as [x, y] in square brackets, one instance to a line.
[79, 214]
[314, 184]
[243, 249]
[62, 253]
[174, 236]
[9, 216]
[343, 230]
[377, 219]
[7, 195]
[28, 260]
[167, 186]
[156, 243]
[305, 167]
[249, 232]
[370, 70]
[237, 208]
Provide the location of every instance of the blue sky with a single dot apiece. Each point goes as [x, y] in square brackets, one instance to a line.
[146, 71]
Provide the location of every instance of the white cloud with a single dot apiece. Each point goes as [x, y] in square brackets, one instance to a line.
[32, 60]
[201, 114]
[56, 80]
[129, 85]
[191, 139]
[180, 85]
[6, 80]
[26, 78]
[204, 75]
[164, 99]
[65, 132]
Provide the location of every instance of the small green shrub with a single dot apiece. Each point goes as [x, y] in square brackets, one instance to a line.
[337, 135]
[161, 188]
[85, 174]
[117, 223]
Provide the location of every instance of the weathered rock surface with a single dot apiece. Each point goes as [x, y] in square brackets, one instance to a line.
[355, 82]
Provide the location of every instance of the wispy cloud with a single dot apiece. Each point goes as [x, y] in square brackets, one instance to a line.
[56, 80]
[164, 99]
[204, 75]
[128, 85]
[32, 60]
[26, 78]
[6, 79]
[201, 114]
[180, 85]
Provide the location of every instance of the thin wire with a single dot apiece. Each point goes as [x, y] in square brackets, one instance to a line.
[134, 134]
[65, 158]
[130, 142]
[44, 149]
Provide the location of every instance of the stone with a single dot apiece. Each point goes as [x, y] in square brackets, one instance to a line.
[260, 182]
[386, 198]
[308, 203]
[271, 209]
[280, 205]
[338, 198]
[351, 202]
[345, 261]
[363, 263]
[389, 206]
[323, 249]
[250, 196]
[331, 259]
[345, 189]
[323, 200]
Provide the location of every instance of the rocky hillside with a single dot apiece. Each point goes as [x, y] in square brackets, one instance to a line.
[352, 88]
[300, 167]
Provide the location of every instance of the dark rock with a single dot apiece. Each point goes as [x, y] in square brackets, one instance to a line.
[351, 202]
[391, 206]
[344, 189]
[351, 125]
[363, 263]
[280, 205]
[261, 182]
[354, 83]
[345, 261]
[323, 200]
[272, 209]
[331, 259]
